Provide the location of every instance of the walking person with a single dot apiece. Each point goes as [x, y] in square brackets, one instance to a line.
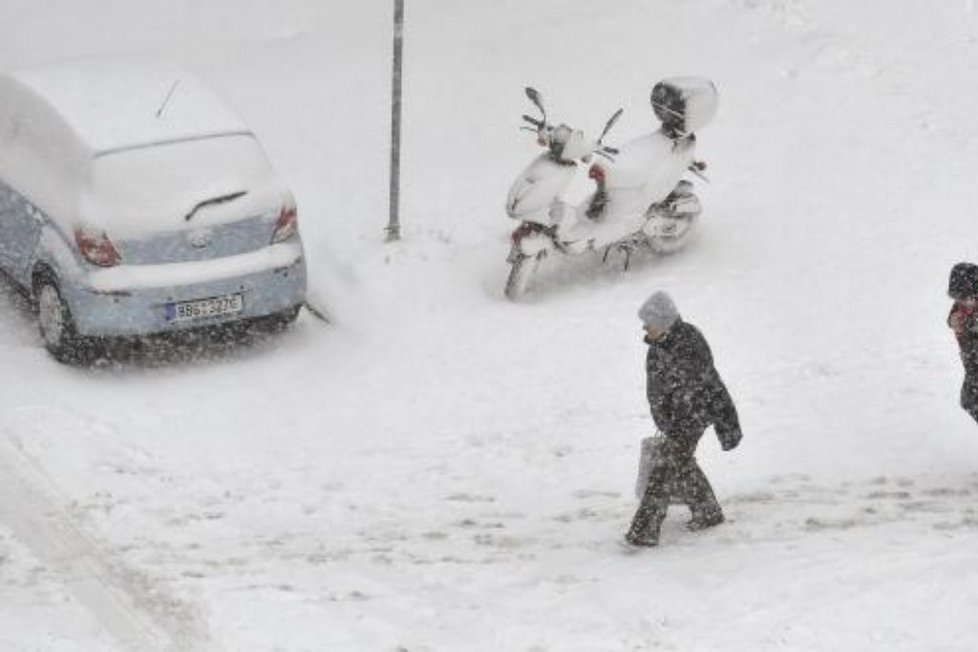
[963, 320]
[686, 396]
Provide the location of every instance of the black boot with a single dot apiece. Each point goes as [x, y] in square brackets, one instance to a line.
[704, 521]
[641, 541]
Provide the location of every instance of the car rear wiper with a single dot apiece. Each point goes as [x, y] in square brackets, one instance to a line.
[214, 200]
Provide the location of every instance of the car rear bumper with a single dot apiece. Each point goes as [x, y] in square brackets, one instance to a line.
[131, 300]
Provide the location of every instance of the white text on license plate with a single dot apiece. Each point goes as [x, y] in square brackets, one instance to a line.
[203, 308]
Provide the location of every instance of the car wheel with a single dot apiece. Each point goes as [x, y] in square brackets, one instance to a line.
[58, 328]
[283, 320]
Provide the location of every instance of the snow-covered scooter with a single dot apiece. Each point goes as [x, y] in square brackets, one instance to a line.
[641, 198]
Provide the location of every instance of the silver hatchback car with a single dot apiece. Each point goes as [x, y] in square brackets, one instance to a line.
[133, 202]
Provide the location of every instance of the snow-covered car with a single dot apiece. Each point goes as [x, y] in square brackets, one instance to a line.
[134, 202]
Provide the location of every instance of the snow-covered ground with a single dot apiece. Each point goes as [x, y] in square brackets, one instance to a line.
[444, 470]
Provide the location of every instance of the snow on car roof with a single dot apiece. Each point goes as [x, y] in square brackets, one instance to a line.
[121, 103]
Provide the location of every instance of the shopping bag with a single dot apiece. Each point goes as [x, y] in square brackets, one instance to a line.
[650, 453]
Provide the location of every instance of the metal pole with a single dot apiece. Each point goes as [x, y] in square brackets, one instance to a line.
[394, 225]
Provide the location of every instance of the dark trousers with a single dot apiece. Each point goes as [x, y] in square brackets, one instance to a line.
[969, 395]
[674, 473]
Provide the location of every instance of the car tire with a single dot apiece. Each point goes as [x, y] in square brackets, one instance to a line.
[283, 320]
[57, 325]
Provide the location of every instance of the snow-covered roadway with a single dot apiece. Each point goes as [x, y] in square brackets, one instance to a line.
[443, 470]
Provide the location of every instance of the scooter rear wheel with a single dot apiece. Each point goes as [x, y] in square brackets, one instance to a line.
[673, 233]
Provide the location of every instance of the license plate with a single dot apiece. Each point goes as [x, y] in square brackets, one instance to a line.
[204, 308]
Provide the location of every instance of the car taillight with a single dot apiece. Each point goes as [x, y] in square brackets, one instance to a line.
[96, 248]
[286, 225]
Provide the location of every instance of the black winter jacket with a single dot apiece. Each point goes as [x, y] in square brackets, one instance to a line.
[685, 392]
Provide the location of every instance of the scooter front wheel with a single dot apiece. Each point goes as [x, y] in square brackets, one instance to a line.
[522, 268]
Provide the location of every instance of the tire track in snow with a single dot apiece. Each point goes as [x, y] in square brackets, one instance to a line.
[138, 614]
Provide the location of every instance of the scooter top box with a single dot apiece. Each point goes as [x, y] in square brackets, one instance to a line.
[685, 104]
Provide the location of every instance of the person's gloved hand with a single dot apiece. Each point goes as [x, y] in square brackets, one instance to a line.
[729, 439]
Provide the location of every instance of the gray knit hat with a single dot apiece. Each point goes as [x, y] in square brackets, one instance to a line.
[659, 311]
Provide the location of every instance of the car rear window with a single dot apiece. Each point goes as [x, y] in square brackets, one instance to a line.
[155, 187]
